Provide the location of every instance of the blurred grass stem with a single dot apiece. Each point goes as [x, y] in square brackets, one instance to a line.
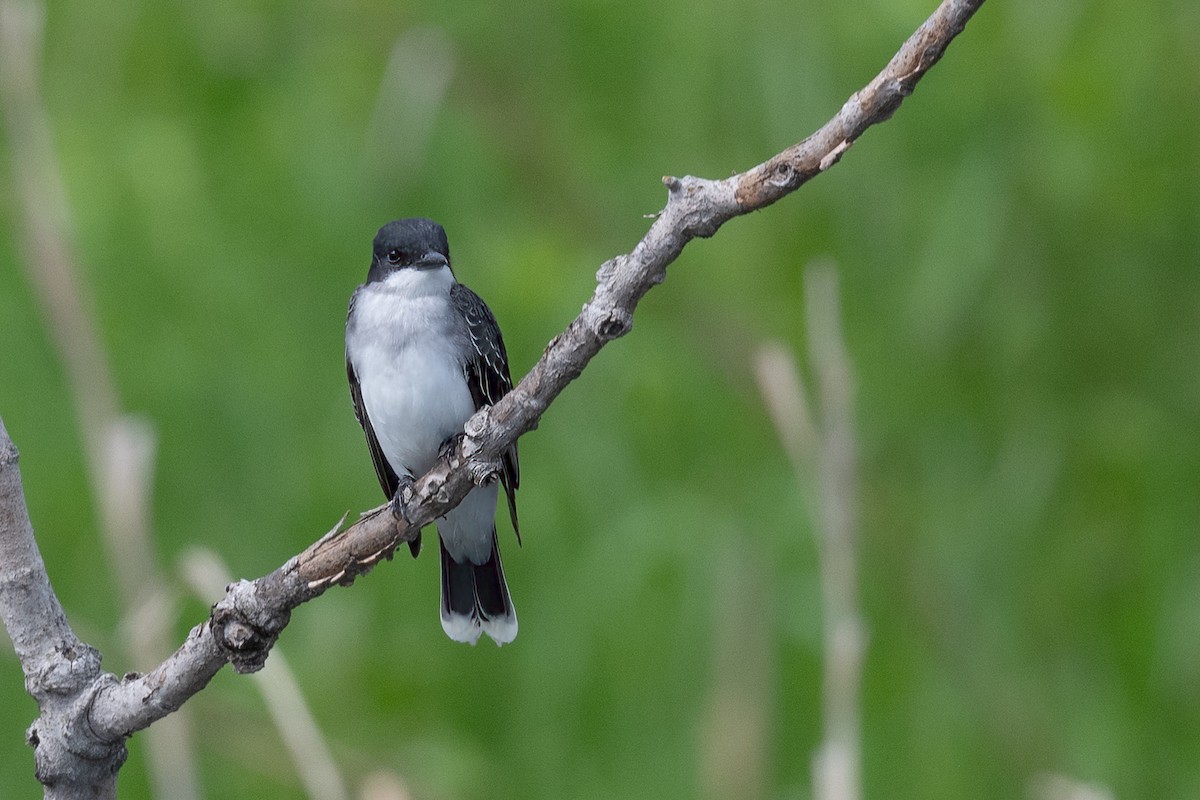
[735, 743]
[824, 455]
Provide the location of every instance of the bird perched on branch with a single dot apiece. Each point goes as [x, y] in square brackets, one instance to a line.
[423, 354]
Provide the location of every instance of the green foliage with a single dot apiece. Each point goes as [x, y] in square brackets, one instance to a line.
[1018, 258]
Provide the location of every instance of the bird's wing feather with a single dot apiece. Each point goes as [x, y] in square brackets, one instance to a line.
[383, 470]
[488, 376]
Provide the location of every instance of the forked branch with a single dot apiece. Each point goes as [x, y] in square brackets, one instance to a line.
[99, 711]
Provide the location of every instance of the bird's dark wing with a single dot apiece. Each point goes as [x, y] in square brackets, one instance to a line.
[383, 470]
[388, 479]
[488, 377]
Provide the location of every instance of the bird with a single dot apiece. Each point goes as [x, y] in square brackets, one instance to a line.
[423, 354]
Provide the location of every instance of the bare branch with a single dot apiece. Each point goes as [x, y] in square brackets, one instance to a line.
[61, 672]
[118, 449]
[695, 207]
[875, 103]
[246, 622]
[205, 573]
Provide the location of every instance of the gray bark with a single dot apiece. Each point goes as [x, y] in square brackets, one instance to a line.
[86, 714]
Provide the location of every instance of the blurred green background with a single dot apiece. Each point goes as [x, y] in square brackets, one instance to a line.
[1018, 255]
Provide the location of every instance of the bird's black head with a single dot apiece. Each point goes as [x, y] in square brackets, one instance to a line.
[415, 243]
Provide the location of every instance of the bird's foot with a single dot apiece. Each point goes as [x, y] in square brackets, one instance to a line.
[446, 448]
[399, 504]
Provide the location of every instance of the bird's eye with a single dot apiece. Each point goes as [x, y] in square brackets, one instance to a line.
[395, 256]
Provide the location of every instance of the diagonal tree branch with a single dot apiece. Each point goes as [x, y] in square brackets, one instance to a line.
[695, 207]
[246, 622]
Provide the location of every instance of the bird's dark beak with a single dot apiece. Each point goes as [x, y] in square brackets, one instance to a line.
[431, 259]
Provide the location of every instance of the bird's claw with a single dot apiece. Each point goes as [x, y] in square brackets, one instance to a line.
[399, 504]
[446, 448]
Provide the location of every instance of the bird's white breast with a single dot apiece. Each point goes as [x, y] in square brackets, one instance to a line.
[407, 345]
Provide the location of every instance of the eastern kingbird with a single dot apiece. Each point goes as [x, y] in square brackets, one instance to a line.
[424, 353]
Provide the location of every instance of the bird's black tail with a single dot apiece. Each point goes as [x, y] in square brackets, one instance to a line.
[475, 599]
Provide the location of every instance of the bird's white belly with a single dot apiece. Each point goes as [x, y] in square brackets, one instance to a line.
[416, 398]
